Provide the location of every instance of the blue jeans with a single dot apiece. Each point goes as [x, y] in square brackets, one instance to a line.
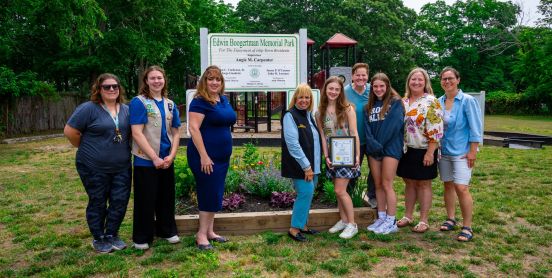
[104, 189]
[301, 207]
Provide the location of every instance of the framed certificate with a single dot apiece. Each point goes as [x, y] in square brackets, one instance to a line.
[342, 151]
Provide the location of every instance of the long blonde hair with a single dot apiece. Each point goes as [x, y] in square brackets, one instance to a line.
[302, 89]
[427, 88]
[202, 92]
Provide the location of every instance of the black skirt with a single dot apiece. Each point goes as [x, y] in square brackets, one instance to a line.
[411, 165]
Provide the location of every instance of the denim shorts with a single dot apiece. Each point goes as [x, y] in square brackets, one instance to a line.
[455, 169]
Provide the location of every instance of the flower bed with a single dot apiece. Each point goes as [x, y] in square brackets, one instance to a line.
[254, 187]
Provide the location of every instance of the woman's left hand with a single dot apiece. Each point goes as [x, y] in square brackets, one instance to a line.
[428, 159]
[357, 162]
[471, 159]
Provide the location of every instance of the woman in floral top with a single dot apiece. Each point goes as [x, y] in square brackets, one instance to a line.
[423, 130]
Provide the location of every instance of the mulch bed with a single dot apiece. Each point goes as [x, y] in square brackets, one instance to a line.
[252, 204]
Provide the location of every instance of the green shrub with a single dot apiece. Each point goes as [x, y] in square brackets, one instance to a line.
[329, 192]
[506, 103]
[23, 84]
[358, 192]
[233, 181]
[250, 157]
[184, 178]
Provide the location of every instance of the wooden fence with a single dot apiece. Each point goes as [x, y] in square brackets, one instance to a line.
[26, 115]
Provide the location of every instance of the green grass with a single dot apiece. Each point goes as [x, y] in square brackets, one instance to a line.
[538, 125]
[43, 231]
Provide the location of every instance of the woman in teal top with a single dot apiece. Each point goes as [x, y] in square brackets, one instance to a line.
[463, 132]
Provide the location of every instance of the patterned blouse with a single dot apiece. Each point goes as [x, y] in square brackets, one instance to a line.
[330, 126]
[423, 122]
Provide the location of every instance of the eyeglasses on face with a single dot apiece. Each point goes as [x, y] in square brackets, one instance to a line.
[446, 79]
[109, 86]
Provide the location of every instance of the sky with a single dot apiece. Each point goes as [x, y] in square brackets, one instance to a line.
[529, 8]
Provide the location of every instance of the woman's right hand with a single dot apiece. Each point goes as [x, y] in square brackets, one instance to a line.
[206, 165]
[309, 174]
[158, 163]
[329, 163]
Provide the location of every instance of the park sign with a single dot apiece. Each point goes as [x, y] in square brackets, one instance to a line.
[256, 62]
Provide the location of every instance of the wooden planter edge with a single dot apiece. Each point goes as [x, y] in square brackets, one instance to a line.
[247, 223]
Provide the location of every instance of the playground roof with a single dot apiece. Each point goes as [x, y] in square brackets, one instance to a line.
[310, 42]
[339, 40]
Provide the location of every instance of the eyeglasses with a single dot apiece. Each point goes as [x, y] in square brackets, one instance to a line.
[446, 79]
[109, 86]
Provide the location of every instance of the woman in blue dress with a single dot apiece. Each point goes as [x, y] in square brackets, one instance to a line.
[209, 151]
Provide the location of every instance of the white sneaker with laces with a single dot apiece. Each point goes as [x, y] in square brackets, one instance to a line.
[339, 226]
[350, 231]
[375, 225]
[173, 240]
[387, 228]
[141, 246]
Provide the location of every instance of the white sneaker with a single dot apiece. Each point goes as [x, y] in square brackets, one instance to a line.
[141, 246]
[173, 240]
[339, 226]
[375, 225]
[350, 231]
[387, 228]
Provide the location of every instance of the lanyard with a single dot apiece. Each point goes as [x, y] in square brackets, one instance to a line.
[118, 136]
[116, 118]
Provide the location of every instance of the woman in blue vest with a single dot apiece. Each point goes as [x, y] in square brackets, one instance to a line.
[384, 122]
[301, 157]
[100, 129]
[463, 132]
[155, 122]
[209, 151]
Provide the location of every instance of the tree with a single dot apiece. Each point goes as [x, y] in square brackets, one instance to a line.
[545, 8]
[184, 61]
[477, 37]
[35, 35]
[380, 27]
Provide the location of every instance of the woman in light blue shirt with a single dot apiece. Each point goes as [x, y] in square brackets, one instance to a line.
[301, 157]
[463, 132]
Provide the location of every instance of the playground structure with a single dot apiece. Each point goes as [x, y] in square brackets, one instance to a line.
[255, 108]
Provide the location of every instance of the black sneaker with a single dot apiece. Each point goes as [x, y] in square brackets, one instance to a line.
[102, 246]
[116, 242]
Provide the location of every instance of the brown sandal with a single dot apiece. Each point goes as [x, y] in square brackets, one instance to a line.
[405, 221]
[421, 227]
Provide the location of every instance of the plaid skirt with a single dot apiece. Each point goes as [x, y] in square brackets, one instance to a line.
[343, 172]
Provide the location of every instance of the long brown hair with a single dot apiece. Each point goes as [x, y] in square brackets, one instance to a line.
[95, 95]
[389, 96]
[144, 87]
[202, 92]
[341, 104]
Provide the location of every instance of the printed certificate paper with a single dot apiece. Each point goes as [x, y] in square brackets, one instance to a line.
[342, 151]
